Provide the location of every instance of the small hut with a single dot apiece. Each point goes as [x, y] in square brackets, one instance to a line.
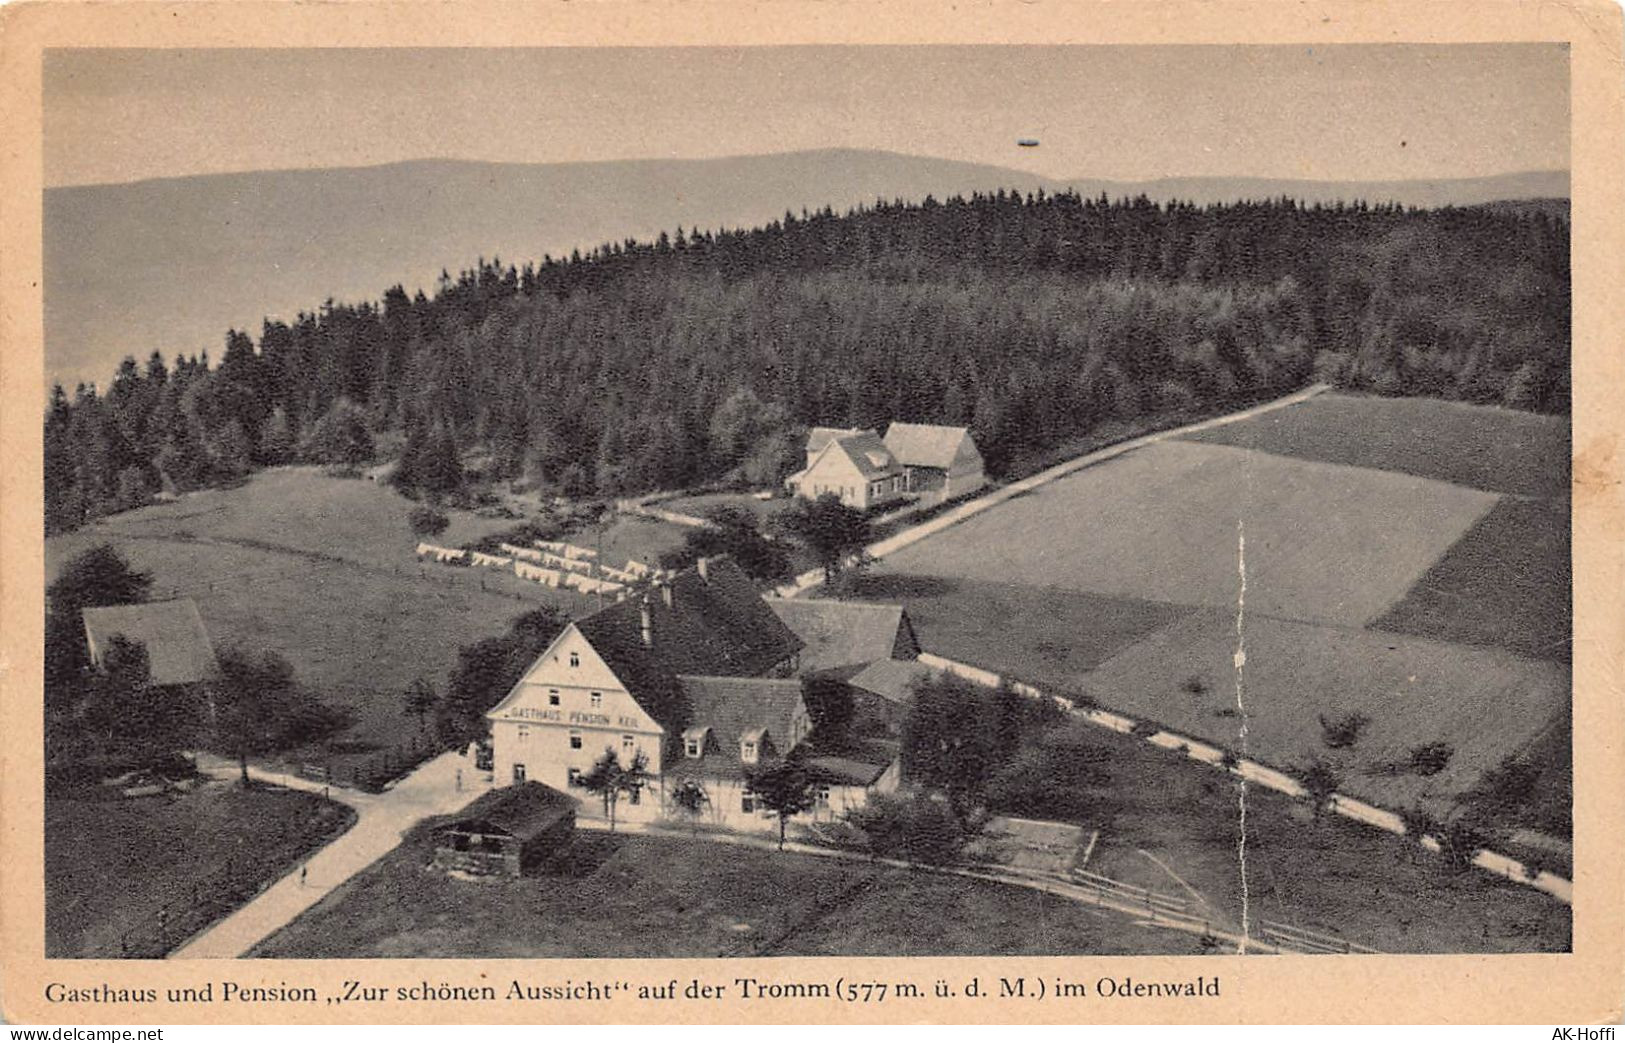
[507, 832]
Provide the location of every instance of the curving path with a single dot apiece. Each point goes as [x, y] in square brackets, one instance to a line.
[381, 821]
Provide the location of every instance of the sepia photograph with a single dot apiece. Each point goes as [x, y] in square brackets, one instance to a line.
[794, 501]
[530, 513]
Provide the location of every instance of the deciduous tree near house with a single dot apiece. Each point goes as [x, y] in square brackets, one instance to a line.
[736, 533]
[691, 799]
[833, 532]
[917, 828]
[783, 789]
[611, 780]
[830, 705]
[124, 720]
[259, 709]
[485, 671]
[420, 700]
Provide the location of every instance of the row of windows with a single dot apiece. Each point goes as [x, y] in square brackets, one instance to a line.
[747, 800]
[629, 743]
[594, 699]
[748, 752]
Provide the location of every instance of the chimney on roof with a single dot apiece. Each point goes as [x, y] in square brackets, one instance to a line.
[703, 566]
[665, 593]
[647, 620]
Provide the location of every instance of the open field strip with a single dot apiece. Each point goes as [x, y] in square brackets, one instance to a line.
[320, 570]
[1325, 542]
[1102, 892]
[1498, 450]
[1253, 771]
[1484, 702]
[908, 537]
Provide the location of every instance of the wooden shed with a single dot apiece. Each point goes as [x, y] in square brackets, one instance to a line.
[507, 832]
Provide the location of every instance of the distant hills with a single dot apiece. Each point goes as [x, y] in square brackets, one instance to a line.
[170, 264]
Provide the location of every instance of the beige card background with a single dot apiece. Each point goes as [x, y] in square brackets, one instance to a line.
[1586, 986]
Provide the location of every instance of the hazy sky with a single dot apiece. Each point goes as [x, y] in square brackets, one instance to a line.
[1334, 113]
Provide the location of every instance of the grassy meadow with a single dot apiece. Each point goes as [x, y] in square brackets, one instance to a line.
[113, 862]
[1480, 447]
[1153, 819]
[667, 897]
[1406, 560]
[322, 570]
[1164, 523]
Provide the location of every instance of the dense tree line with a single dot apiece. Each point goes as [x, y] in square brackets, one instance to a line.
[698, 356]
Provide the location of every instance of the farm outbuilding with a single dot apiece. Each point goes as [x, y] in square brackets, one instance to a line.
[939, 461]
[177, 644]
[507, 832]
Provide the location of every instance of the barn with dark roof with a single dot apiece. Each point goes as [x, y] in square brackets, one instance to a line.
[177, 644]
[507, 832]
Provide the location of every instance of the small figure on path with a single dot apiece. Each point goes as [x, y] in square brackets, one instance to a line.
[302, 871]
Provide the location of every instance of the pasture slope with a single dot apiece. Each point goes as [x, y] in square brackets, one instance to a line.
[321, 570]
[1404, 560]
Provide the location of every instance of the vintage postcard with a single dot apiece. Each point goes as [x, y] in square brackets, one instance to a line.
[890, 513]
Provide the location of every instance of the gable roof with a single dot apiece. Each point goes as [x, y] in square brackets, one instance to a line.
[868, 452]
[891, 679]
[736, 708]
[852, 762]
[717, 625]
[844, 634]
[178, 648]
[524, 810]
[925, 445]
[819, 437]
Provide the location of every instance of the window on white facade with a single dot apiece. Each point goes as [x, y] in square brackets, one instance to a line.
[821, 796]
[575, 740]
[524, 733]
[575, 658]
[628, 743]
[518, 774]
[573, 776]
[747, 802]
[597, 699]
[552, 697]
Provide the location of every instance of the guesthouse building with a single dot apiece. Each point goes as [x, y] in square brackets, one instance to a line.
[700, 676]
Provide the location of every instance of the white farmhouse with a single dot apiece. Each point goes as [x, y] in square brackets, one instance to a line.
[698, 677]
[856, 467]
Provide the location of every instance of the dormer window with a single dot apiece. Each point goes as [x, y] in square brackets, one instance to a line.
[694, 741]
[752, 745]
[691, 748]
